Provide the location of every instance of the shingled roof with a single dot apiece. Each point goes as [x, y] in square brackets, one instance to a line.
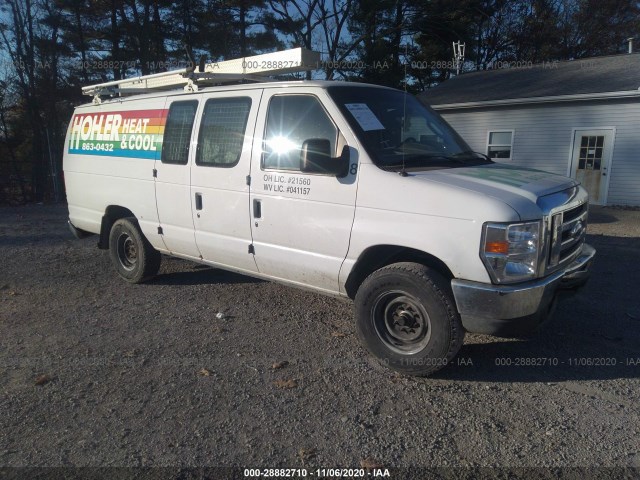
[597, 75]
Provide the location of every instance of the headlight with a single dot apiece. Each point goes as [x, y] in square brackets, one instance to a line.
[510, 251]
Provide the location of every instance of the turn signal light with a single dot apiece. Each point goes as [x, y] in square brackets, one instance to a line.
[497, 247]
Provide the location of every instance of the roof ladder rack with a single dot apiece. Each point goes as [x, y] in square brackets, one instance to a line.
[255, 68]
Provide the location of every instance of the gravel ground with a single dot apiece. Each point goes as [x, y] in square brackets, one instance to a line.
[95, 372]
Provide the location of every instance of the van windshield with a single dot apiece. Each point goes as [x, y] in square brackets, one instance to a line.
[401, 133]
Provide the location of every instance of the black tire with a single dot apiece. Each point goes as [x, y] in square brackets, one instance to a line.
[131, 253]
[406, 317]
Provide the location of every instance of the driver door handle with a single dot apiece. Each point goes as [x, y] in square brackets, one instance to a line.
[257, 209]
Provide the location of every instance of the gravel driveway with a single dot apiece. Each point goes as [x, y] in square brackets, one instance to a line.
[203, 368]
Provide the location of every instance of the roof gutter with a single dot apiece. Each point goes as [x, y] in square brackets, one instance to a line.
[537, 100]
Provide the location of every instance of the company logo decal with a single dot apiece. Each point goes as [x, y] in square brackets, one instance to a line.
[577, 229]
[133, 134]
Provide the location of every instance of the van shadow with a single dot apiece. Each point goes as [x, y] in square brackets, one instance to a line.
[594, 334]
[202, 275]
[600, 215]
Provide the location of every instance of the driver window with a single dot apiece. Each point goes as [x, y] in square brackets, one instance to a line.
[291, 120]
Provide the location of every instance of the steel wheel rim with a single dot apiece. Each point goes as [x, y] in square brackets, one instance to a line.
[127, 251]
[401, 322]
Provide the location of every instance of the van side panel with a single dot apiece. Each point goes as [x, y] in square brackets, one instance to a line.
[434, 222]
[109, 157]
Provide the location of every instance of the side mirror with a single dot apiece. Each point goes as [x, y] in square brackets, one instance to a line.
[315, 157]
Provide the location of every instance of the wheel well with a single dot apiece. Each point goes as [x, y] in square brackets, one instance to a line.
[111, 214]
[374, 258]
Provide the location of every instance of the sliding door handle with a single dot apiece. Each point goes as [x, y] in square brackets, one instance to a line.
[198, 201]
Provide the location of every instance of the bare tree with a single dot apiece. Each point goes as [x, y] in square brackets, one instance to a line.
[11, 167]
[19, 40]
[334, 15]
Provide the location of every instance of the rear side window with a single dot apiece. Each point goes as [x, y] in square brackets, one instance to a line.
[177, 132]
[222, 131]
[293, 119]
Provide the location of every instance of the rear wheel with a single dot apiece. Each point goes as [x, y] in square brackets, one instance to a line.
[131, 253]
[406, 317]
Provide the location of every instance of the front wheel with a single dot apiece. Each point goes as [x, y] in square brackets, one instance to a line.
[406, 317]
[131, 253]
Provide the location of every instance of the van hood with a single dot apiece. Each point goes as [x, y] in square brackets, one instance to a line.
[520, 188]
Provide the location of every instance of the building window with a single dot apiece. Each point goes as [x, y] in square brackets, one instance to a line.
[177, 132]
[591, 148]
[500, 144]
[292, 119]
[222, 130]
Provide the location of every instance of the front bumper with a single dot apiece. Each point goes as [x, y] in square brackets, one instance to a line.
[517, 309]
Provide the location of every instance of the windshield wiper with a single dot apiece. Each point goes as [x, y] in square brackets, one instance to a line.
[425, 160]
[477, 156]
[414, 159]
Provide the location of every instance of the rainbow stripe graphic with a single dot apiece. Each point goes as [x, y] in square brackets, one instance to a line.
[132, 133]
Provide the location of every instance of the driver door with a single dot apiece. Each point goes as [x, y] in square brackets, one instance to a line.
[301, 222]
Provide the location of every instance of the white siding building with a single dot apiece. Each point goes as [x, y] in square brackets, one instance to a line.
[578, 118]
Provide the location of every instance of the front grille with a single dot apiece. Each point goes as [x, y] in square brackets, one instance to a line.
[574, 212]
[568, 231]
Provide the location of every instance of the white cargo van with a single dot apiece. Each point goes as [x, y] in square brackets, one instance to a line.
[347, 189]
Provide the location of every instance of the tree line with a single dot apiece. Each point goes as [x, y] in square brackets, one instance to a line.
[50, 48]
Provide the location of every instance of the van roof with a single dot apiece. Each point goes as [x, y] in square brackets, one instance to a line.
[234, 88]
